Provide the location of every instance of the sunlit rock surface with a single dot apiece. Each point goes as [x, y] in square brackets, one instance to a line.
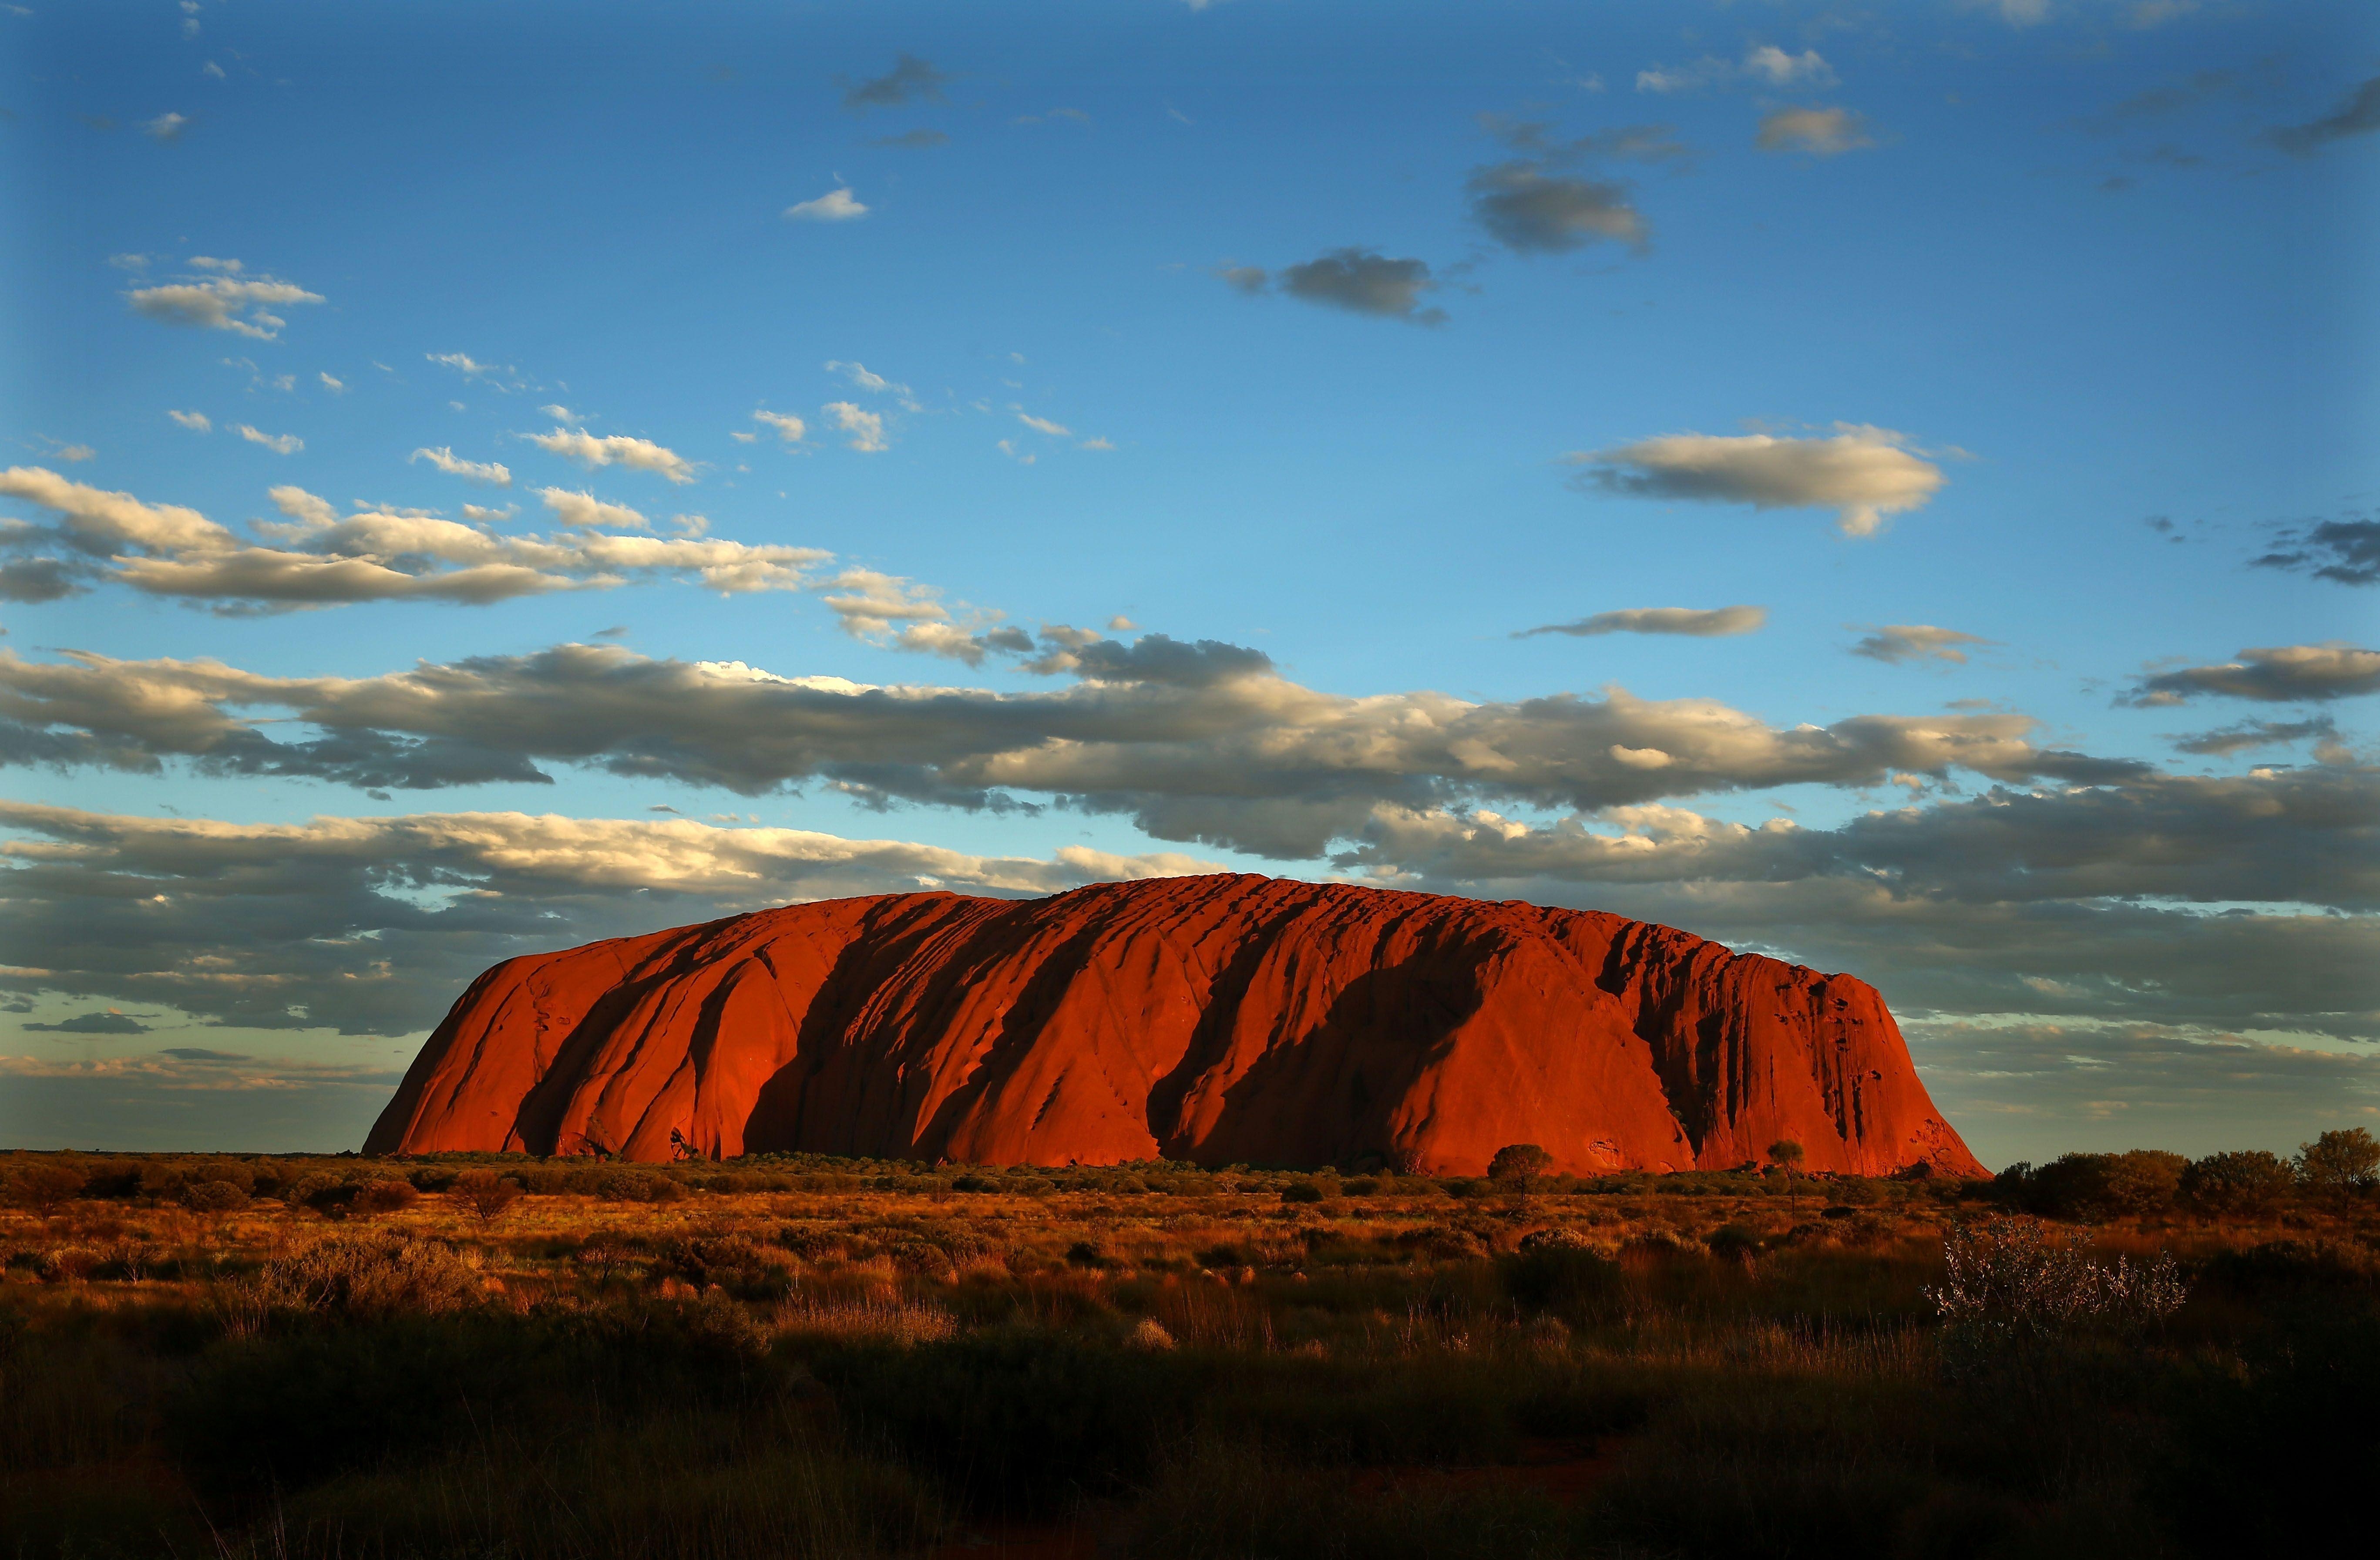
[1224, 1019]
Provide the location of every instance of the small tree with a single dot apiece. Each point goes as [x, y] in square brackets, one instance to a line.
[44, 1186]
[2249, 1181]
[1516, 1168]
[2340, 1161]
[485, 1193]
[1785, 1153]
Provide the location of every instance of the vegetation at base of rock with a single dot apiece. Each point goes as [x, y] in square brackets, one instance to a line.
[2114, 1355]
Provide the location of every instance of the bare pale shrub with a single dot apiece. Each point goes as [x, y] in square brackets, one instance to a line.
[2012, 1283]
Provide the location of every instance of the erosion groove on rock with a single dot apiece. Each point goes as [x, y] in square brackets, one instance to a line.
[1222, 1019]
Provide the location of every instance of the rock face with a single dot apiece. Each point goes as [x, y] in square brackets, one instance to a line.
[1222, 1019]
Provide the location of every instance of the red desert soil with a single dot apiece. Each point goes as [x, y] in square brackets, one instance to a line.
[1224, 1019]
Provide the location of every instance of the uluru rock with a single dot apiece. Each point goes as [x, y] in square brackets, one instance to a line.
[1224, 1019]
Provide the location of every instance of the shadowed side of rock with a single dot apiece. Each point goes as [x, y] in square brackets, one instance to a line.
[1222, 1019]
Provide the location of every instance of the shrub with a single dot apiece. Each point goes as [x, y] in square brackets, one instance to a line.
[368, 1276]
[43, 1185]
[2007, 1285]
[213, 1197]
[1021, 1418]
[1564, 1278]
[382, 1197]
[1737, 1242]
[1301, 1191]
[486, 1194]
[2248, 1182]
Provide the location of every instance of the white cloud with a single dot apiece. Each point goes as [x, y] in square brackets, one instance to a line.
[586, 509]
[320, 558]
[1821, 132]
[492, 374]
[866, 427]
[446, 460]
[1096, 443]
[561, 414]
[222, 302]
[211, 69]
[1007, 448]
[488, 516]
[336, 386]
[641, 454]
[1902, 642]
[1043, 425]
[1864, 473]
[863, 378]
[789, 428]
[1777, 69]
[835, 205]
[279, 443]
[1712, 622]
[166, 127]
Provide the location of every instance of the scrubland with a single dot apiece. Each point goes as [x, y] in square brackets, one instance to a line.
[500, 1357]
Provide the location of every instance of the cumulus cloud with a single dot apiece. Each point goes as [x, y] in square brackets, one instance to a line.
[225, 301]
[1864, 473]
[2358, 115]
[166, 127]
[789, 428]
[327, 924]
[317, 557]
[1362, 281]
[196, 421]
[1900, 643]
[638, 454]
[1821, 132]
[1043, 425]
[909, 79]
[2345, 551]
[866, 427]
[585, 510]
[279, 443]
[1530, 211]
[1198, 741]
[836, 205]
[446, 460]
[2277, 674]
[1698, 623]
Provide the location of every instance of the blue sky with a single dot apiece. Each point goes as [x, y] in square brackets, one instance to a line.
[2010, 359]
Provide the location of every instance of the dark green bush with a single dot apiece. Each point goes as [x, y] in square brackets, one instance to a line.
[1566, 1280]
[1019, 1420]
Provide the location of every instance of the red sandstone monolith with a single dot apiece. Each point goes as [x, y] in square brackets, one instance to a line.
[1224, 1019]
